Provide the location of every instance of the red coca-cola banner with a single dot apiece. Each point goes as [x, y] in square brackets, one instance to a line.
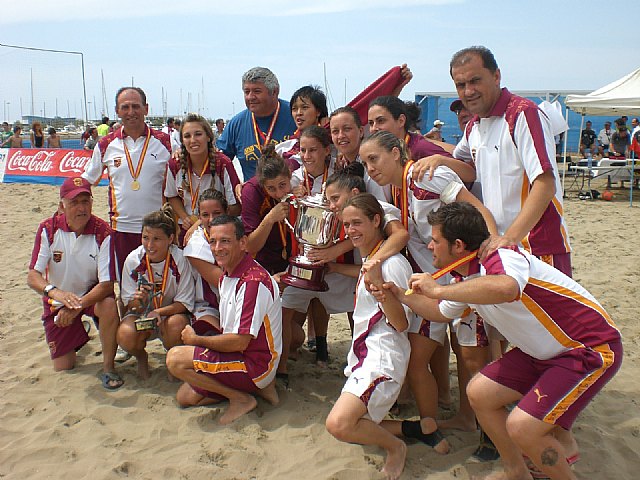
[25, 165]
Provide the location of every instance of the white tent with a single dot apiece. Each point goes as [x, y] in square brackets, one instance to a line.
[619, 97]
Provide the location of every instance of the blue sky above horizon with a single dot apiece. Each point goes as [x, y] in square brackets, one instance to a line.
[181, 45]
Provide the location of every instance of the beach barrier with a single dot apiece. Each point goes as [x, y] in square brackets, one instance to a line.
[44, 166]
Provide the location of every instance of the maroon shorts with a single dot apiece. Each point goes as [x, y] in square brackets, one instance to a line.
[559, 261]
[557, 390]
[228, 368]
[62, 340]
[123, 244]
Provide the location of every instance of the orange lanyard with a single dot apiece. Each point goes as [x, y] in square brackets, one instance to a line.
[157, 301]
[282, 229]
[259, 134]
[308, 184]
[401, 198]
[135, 174]
[194, 195]
[452, 266]
[371, 254]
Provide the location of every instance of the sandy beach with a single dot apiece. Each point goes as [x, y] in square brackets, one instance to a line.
[65, 425]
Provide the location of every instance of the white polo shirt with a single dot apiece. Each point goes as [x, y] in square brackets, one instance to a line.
[553, 314]
[180, 286]
[250, 305]
[73, 263]
[128, 206]
[225, 181]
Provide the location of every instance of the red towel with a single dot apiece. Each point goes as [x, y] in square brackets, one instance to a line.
[382, 86]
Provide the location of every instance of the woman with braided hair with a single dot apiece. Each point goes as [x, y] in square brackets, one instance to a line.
[199, 166]
[155, 277]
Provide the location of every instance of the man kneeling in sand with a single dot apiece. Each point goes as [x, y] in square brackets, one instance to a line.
[566, 345]
[72, 268]
[243, 359]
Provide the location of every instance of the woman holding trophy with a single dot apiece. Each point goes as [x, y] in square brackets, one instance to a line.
[158, 289]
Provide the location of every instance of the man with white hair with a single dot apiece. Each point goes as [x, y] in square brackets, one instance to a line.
[266, 120]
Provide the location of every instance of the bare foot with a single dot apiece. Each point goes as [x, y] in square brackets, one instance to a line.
[143, 366]
[269, 393]
[237, 407]
[459, 422]
[394, 463]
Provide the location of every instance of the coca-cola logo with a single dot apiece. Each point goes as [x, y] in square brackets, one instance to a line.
[71, 163]
[41, 161]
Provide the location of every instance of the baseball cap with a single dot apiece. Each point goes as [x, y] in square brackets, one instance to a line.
[438, 123]
[456, 105]
[74, 186]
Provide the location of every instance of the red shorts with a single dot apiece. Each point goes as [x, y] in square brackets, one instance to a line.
[557, 390]
[559, 261]
[123, 244]
[62, 340]
[228, 368]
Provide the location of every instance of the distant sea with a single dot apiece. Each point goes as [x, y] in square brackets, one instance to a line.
[438, 108]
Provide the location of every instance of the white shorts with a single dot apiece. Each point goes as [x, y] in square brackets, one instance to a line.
[378, 392]
[204, 309]
[470, 331]
[338, 299]
[436, 331]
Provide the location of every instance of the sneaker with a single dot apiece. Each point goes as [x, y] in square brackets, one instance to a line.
[122, 356]
[486, 451]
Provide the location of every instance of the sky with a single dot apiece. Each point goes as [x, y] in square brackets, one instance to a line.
[196, 51]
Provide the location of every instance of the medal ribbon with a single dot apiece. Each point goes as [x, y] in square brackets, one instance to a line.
[452, 266]
[138, 169]
[157, 301]
[308, 184]
[402, 197]
[259, 134]
[194, 195]
[282, 229]
[371, 254]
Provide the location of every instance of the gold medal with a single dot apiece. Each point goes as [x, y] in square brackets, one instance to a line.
[193, 218]
[284, 253]
[135, 185]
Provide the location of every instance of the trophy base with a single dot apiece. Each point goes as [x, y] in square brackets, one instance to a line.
[304, 275]
[144, 324]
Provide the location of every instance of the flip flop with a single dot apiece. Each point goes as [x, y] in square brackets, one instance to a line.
[539, 474]
[109, 377]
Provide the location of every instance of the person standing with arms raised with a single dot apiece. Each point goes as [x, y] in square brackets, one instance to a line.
[135, 157]
[267, 120]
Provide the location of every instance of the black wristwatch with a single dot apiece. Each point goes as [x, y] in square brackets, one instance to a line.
[48, 289]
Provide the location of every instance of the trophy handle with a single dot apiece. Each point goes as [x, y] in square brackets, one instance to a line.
[291, 199]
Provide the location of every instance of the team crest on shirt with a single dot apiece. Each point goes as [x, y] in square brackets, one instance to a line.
[57, 256]
[117, 161]
[52, 348]
[473, 153]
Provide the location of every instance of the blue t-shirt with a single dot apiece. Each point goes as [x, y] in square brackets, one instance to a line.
[239, 140]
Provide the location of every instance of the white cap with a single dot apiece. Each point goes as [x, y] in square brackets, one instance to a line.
[438, 123]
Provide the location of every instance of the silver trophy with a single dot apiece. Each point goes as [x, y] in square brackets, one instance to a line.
[143, 322]
[315, 227]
